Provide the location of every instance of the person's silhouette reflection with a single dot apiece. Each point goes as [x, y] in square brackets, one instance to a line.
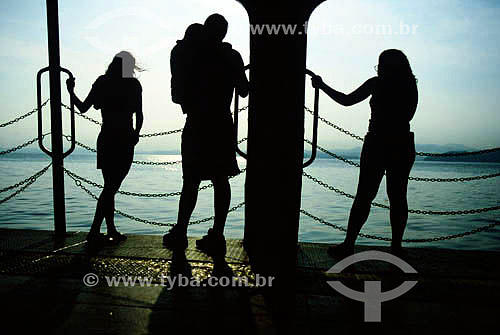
[205, 72]
[118, 94]
[388, 147]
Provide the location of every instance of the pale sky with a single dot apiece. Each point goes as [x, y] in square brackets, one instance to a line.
[454, 53]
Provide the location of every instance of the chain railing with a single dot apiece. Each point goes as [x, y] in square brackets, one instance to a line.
[442, 180]
[26, 183]
[420, 240]
[150, 222]
[428, 154]
[414, 211]
[9, 151]
[359, 138]
[86, 147]
[453, 180]
[19, 118]
[334, 155]
[136, 194]
[22, 185]
[163, 133]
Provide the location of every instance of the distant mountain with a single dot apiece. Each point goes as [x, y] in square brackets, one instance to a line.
[491, 157]
[438, 148]
[354, 153]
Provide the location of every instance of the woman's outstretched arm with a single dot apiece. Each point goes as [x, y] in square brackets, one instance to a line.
[360, 94]
[84, 106]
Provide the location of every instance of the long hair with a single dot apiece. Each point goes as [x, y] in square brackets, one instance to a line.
[195, 34]
[393, 65]
[123, 65]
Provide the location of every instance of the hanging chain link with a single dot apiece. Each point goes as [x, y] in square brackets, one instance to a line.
[457, 154]
[150, 222]
[450, 180]
[414, 211]
[86, 147]
[88, 118]
[94, 121]
[22, 182]
[345, 160]
[441, 180]
[18, 147]
[19, 118]
[420, 240]
[30, 181]
[163, 133]
[135, 194]
[21, 145]
[428, 154]
[68, 137]
[156, 163]
[359, 138]
[175, 131]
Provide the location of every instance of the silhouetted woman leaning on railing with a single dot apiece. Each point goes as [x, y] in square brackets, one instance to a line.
[118, 94]
[388, 147]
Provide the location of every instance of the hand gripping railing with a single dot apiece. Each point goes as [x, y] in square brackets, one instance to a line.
[315, 123]
[236, 112]
[39, 108]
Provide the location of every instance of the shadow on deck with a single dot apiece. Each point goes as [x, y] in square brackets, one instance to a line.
[41, 286]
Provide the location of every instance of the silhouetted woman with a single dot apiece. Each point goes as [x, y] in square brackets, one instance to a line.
[388, 147]
[118, 94]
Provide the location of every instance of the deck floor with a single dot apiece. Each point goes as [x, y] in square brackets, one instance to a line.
[41, 283]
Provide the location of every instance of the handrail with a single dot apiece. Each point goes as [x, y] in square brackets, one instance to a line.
[236, 107]
[39, 113]
[315, 124]
[72, 118]
[39, 110]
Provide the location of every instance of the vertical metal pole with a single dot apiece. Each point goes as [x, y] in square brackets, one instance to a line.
[55, 118]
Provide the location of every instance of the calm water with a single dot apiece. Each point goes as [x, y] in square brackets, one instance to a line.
[33, 208]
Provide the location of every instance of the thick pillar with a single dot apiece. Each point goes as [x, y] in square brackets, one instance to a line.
[275, 132]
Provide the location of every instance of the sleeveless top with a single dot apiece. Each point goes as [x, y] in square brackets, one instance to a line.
[393, 105]
[117, 98]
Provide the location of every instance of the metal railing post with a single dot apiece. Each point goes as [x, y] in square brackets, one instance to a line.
[56, 119]
[315, 124]
[236, 118]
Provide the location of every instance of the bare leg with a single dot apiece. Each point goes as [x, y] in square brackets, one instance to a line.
[187, 202]
[222, 200]
[112, 183]
[105, 204]
[397, 185]
[370, 175]
[99, 214]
